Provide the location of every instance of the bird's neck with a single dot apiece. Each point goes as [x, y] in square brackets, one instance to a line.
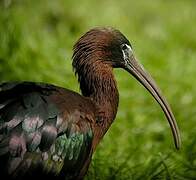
[99, 85]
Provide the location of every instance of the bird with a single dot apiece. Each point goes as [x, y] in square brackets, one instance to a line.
[49, 131]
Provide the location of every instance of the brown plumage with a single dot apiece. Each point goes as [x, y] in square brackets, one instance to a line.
[49, 131]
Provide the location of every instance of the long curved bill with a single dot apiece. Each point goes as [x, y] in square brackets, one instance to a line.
[137, 70]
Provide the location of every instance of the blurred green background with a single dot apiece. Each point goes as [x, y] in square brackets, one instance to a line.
[36, 39]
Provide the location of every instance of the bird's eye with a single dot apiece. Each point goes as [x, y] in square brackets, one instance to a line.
[126, 51]
[124, 47]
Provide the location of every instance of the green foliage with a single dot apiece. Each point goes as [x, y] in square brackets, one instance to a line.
[36, 45]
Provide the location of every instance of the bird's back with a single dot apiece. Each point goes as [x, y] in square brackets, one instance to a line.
[44, 130]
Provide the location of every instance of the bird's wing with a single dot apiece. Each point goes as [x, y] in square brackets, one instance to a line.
[36, 131]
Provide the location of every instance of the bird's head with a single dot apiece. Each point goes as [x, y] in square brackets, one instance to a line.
[109, 47]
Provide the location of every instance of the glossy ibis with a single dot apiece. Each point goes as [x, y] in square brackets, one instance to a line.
[49, 131]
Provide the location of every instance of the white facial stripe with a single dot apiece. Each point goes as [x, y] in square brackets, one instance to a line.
[128, 47]
[126, 53]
